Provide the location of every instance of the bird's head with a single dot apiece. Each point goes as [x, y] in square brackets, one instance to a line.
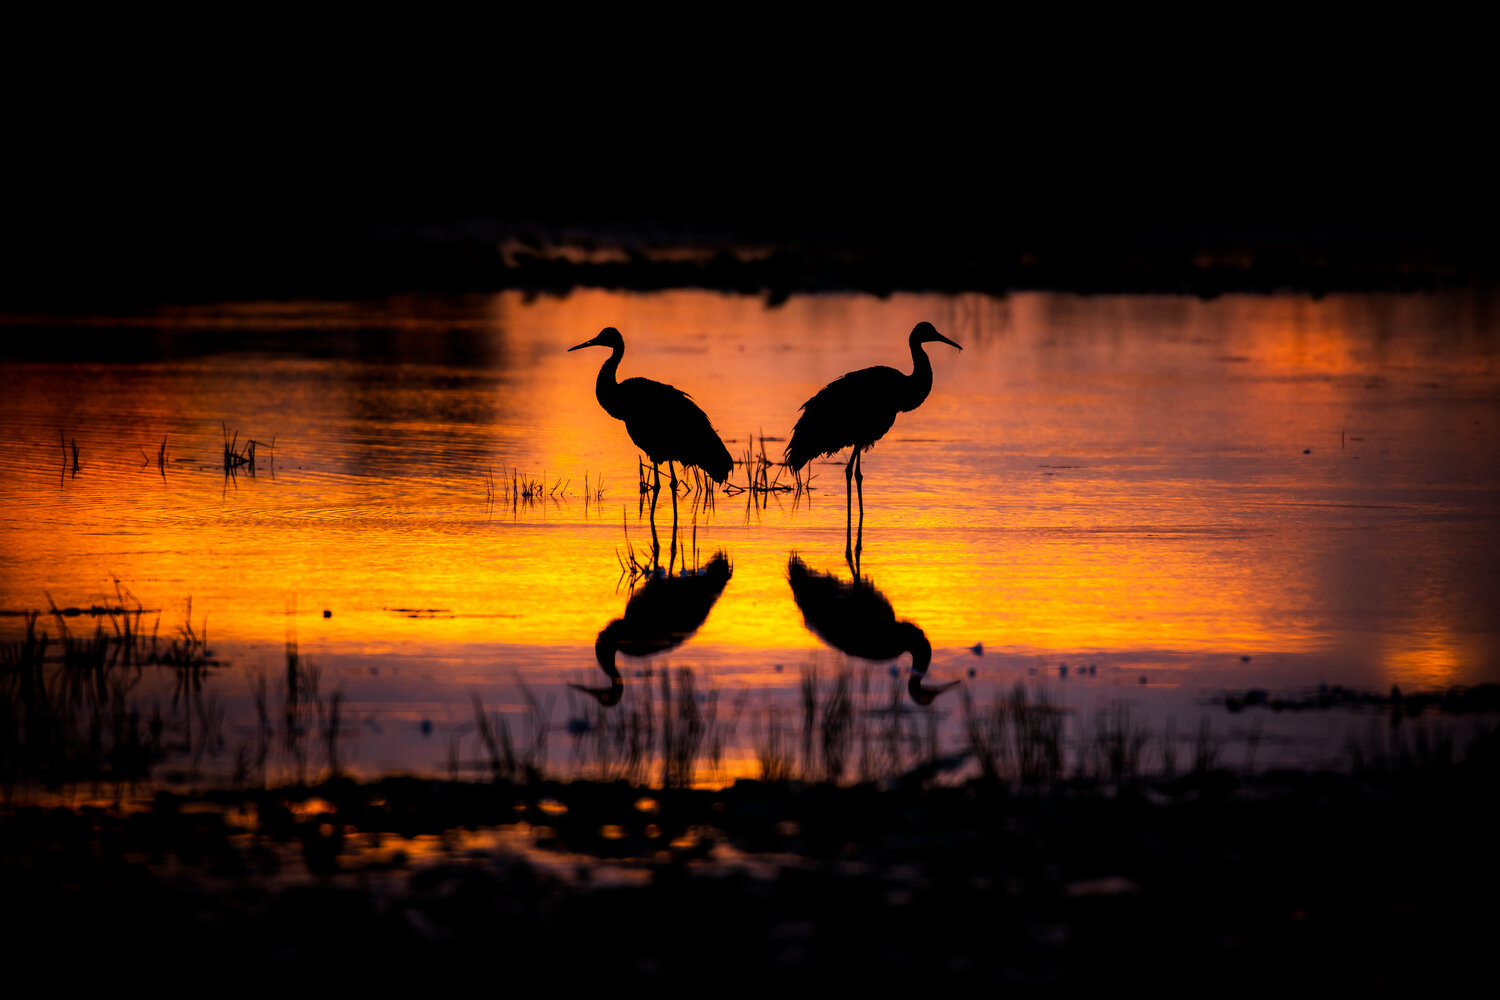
[925, 333]
[608, 337]
[604, 654]
[914, 639]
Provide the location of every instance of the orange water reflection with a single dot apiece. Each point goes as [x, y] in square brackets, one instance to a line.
[1252, 477]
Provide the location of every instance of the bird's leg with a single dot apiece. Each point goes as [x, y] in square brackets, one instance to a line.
[859, 485]
[849, 504]
[672, 474]
[655, 491]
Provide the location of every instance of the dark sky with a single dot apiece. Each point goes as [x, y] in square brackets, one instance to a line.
[137, 161]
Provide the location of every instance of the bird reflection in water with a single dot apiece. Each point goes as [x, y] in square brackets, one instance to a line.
[854, 411]
[662, 613]
[855, 618]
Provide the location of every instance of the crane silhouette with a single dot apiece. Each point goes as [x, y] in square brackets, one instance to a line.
[662, 420]
[857, 619]
[660, 615]
[855, 411]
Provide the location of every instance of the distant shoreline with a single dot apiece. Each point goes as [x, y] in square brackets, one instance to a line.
[54, 273]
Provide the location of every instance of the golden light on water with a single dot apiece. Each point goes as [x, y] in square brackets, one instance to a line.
[1249, 477]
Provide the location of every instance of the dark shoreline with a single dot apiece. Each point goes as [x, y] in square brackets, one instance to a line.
[149, 262]
[1212, 880]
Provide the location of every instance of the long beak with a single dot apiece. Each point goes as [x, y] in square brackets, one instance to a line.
[591, 343]
[606, 696]
[926, 694]
[950, 343]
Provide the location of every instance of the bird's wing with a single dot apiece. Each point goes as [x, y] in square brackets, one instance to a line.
[854, 409]
[666, 423]
[645, 392]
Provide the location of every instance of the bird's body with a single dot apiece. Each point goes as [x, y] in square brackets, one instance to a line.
[857, 619]
[662, 420]
[661, 615]
[857, 409]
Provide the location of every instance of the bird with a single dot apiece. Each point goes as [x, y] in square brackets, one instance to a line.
[659, 616]
[661, 419]
[855, 410]
[857, 619]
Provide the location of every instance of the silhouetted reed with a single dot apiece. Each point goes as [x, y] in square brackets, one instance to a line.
[507, 758]
[161, 458]
[614, 743]
[1115, 749]
[772, 752]
[63, 440]
[667, 729]
[65, 717]
[1395, 744]
[494, 739]
[634, 565]
[764, 478]
[691, 482]
[592, 493]
[682, 730]
[836, 722]
[984, 732]
[828, 725]
[239, 457]
[301, 739]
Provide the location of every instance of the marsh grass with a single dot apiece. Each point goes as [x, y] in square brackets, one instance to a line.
[668, 729]
[592, 493]
[1036, 735]
[1023, 737]
[836, 726]
[63, 440]
[684, 727]
[765, 478]
[635, 565]
[66, 712]
[1114, 749]
[984, 732]
[240, 457]
[308, 727]
[773, 752]
[1205, 749]
[161, 458]
[527, 491]
[1393, 743]
[691, 484]
[504, 754]
[617, 743]
[844, 722]
[638, 565]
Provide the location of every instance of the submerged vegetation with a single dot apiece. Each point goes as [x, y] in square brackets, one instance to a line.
[241, 457]
[764, 478]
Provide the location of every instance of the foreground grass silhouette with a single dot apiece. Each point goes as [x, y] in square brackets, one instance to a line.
[1210, 880]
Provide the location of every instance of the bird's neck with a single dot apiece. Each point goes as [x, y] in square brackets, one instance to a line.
[914, 640]
[919, 382]
[605, 646]
[606, 388]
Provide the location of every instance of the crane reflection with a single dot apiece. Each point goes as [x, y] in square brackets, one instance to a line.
[662, 614]
[855, 618]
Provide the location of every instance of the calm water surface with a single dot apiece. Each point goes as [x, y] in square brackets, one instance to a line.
[1171, 497]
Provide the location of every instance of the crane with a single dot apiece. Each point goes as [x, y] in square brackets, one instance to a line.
[661, 419]
[855, 411]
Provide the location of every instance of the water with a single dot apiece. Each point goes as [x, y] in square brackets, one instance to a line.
[1169, 497]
